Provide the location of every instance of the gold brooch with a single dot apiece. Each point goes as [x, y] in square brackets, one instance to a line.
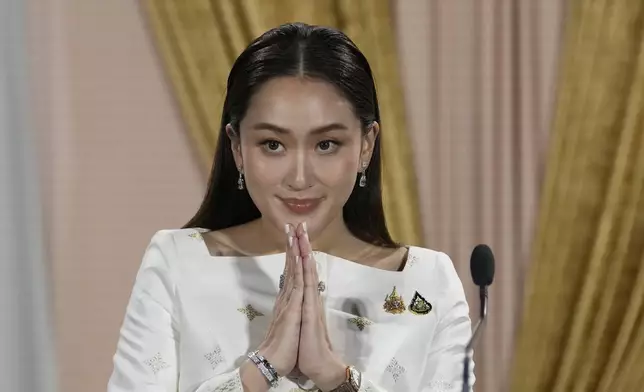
[360, 322]
[419, 305]
[394, 303]
[250, 312]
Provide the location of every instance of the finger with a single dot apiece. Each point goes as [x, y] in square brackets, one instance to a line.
[310, 302]
[309, 270]
[291, 247]
[313, 307]
[294, 253]
[323, 324]
[318, 305]
[296, 289]
[313, 301]
[295, 285]
[304, 240]
[290, 261]
[287, 261]
[283, 281]
[292, 250]
[292, 312]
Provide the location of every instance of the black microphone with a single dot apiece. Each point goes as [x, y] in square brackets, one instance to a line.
[482, 270]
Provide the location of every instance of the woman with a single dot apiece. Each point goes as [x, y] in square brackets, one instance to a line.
[287, 278]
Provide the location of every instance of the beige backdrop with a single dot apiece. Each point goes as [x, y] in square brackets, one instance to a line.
[116, 163]
[116, 167]
[479, 78]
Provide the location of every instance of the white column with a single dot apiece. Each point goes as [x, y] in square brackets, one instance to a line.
[26, 336]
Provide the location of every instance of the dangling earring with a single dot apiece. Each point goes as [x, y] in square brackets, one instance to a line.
[240, 181]
[363, 176]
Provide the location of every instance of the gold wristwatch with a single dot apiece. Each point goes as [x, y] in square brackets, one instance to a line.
[352, 382]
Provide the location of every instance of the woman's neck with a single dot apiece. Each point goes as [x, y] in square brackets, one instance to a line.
[335, 238]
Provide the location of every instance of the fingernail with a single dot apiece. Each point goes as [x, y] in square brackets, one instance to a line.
[306, 232]
[288, 235]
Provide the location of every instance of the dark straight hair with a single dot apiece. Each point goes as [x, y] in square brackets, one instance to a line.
[301, 50]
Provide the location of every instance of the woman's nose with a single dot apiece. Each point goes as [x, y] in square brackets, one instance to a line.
[299, 176]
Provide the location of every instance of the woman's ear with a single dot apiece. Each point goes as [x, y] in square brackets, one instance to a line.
[235, 145]
[368, 144]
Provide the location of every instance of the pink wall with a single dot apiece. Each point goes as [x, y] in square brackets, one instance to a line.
[116, 166]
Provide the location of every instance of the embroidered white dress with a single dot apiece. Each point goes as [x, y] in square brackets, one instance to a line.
[193, 317]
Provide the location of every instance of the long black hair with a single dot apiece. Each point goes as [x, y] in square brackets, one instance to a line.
[296, 49]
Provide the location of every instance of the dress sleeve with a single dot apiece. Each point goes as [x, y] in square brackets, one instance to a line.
[444, 369]
[444, 366]
[146, 357]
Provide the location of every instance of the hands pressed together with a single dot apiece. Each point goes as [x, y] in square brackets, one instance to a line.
[297, 338]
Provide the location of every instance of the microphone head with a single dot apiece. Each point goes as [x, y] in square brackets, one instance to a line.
[482, 265]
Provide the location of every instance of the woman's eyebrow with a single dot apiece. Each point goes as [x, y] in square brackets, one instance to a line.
[277, 129]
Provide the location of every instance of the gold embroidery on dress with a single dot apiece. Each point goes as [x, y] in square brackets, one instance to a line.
[419, 305]
[360, 322]
[196, 236]
[250, 312]
[394, 303]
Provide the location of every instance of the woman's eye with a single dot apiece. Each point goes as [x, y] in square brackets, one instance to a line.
[272, 146]
[327, 146]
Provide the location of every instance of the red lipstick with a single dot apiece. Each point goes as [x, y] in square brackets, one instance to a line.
[301, 206]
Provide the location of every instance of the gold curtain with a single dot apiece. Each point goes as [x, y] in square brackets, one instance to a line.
[200, 39]
[583, 327]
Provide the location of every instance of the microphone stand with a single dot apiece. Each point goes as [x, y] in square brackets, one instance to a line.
[469, 349]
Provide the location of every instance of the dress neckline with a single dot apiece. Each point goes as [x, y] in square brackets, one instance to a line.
[410, 254]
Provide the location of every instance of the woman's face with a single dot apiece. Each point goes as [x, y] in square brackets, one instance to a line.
[301, 148]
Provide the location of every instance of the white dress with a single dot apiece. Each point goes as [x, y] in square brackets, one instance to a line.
[193, 317]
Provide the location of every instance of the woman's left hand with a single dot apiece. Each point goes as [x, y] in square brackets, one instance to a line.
[316, 358]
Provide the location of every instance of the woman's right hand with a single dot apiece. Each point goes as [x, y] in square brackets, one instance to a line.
[281, 345]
